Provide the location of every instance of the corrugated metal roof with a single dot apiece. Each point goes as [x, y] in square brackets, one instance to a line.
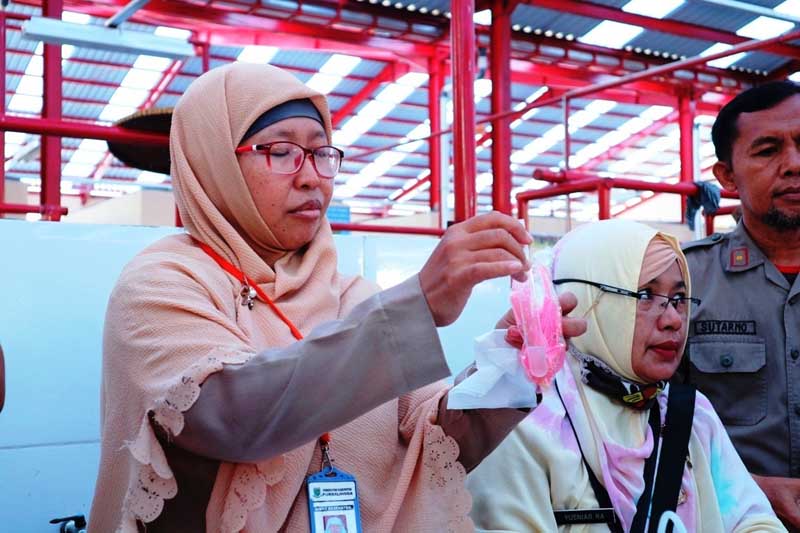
[91, 77]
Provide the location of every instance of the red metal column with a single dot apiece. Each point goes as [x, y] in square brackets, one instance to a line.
[604, 201]
[462, 49]
[390, 73]
[50, 158]
[2, 105]
[567, 143]
[686, 112]
[435, 84]
[500, 66]
[205, 55]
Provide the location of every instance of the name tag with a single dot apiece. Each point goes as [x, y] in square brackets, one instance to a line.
[333, 502]
[725, 327]
[585, 516]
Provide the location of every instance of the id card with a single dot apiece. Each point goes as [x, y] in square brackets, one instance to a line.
[333, 502]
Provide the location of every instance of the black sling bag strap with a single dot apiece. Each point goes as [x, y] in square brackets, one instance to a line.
[605, 514]
[643, 505]
[674, 450]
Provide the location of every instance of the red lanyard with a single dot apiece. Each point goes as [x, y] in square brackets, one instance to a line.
[325, 439]
[248, 283]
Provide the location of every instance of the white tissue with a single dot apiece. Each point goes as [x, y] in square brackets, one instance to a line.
[500, 380]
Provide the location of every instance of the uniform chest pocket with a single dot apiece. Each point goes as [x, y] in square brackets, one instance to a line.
[732, 373]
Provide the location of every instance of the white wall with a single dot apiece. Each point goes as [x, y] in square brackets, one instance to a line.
[145, 207]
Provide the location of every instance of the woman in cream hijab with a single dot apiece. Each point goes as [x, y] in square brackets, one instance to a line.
[230, 349]
[596, 414]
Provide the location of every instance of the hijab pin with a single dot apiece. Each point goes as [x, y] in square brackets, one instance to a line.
[248, 294]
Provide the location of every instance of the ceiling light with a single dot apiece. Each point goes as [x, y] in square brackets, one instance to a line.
[59, 32]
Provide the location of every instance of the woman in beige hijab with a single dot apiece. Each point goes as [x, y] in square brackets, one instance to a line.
[229, 350]
[587, 445]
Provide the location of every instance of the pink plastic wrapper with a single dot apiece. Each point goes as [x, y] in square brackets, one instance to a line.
[538, 315]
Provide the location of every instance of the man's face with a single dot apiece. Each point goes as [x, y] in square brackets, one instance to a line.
[765, 165]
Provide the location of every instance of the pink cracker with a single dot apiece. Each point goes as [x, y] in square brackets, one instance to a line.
[538, 316]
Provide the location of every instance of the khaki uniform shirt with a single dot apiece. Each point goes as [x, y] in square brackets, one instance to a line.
[744, 349]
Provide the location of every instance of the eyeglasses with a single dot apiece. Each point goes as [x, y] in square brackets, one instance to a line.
[646, 299]
[284, 157]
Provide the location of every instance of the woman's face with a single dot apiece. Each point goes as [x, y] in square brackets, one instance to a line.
[291, 205]
[659, 333]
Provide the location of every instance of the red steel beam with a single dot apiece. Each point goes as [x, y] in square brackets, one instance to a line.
[80, 130]
[603, 186]
[500, 67]
[49, 212]
[389, 73]
[747, 46]
[540, 49]
[435, 84]
[224, 26]
[613, 151]
[639, 92]
[617, 183]
[50, 149]
[686, 114]
[674, 27]
[2, 104]
[624, 80]
[339, 226]
[416, 185]
[462, 50]
[565, 124]
[603, 201]
[723, 210]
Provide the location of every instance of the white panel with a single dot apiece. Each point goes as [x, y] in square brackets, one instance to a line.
[55, 280]
[391, 260]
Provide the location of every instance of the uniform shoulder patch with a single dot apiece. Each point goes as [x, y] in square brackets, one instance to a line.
[711, 240]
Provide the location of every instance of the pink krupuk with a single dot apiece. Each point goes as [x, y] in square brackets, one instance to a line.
[538, 317]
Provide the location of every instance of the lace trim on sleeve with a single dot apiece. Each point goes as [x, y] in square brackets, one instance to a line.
[248, 491]
[152, 480]
[446, 477]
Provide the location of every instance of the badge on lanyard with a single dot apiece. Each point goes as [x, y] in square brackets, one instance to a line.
[332, 497]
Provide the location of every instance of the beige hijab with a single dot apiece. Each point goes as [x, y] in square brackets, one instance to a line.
[175, 317]
[613, 252]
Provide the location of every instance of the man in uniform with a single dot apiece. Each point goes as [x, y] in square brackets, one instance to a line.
[744, 346]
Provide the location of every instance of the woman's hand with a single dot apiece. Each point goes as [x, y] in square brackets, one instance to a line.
[571, 327]
[483, 247]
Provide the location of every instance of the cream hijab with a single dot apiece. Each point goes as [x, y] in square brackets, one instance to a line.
[616, 439]
[175, 316]
[612, 252]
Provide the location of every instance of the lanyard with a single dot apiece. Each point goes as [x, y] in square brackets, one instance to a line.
[247, 286]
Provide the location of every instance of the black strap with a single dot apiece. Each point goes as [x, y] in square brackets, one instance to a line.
[600, 492]
[643, 505]
[674, 450]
